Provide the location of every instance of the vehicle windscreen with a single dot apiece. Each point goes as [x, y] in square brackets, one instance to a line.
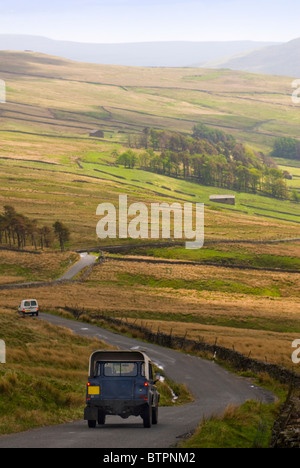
[27, 304]
[120, 369]
[33, 303]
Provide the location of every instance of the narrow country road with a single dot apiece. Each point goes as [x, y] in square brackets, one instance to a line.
[213, 388]
[86, 260]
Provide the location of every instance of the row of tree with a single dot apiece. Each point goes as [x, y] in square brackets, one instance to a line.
[20, 231]
[208, 157]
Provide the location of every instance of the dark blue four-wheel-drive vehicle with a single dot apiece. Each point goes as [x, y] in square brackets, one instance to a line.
[121, 383]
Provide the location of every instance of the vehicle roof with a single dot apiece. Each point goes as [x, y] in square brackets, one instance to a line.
[117, 355]
[24, 300]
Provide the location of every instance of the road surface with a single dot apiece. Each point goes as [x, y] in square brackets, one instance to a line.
[213, 388]
[86, 260]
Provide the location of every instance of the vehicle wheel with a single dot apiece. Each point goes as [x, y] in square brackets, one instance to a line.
[92, 424]
[147, 416]
[101, 418]
[155, 415]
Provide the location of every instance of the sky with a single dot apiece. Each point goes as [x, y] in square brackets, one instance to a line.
[114, 21]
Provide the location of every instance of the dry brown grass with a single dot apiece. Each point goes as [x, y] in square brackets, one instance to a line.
[44, 379]
[259, 344]
[289, 249]
[21, 267]
[264, 326]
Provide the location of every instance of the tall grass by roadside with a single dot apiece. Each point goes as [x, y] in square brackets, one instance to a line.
[247, 426]
[43, 381]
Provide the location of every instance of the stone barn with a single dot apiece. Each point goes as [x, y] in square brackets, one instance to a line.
[97, 134]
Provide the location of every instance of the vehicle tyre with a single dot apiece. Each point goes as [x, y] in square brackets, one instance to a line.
[147, 416]
[155, 414]
[101, 418]
[92, 424]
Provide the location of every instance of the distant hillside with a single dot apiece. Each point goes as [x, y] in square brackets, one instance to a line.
[50, 95]
[148, 54]
[282, 59]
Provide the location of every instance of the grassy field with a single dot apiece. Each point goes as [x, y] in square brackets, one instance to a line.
[253, 107]
[261, 256]
[48, 192]
[256, 312]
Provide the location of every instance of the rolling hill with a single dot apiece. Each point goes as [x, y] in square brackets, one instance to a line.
[47, 94]
[54, 167]
[148, 54]
[280, 59]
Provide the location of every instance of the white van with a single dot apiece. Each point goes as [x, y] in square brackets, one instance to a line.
[29, 307]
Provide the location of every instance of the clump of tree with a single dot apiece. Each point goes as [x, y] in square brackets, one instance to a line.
[127, 159]
[208, 157]
[295, 196]
[203, 132]
[19, 231]
[62, 233]
[286, 148]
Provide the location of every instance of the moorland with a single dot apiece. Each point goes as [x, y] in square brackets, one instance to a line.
[242, 288]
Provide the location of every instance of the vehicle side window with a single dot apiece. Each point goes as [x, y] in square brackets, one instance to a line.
[150, 372]
[98, 369]
[143, 373]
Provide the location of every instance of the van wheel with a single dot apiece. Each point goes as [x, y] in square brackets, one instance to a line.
[147, 416]
[101, 418]
[155, 415]
[91, 424]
